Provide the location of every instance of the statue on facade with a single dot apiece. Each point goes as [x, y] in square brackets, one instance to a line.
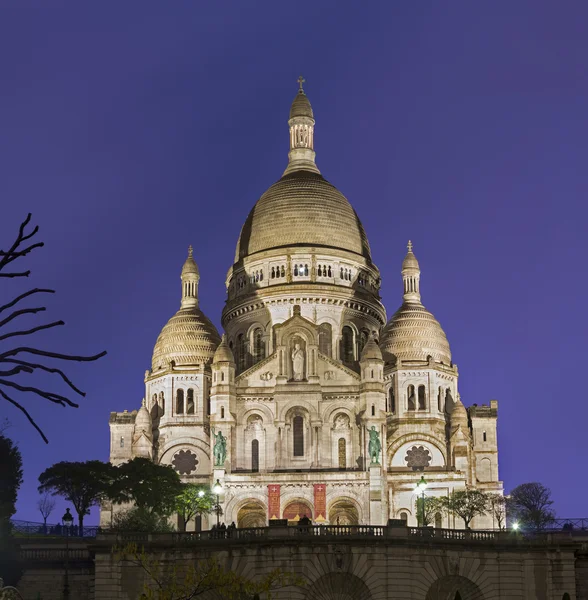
[297, 363]
[220, 448]
[374, 446]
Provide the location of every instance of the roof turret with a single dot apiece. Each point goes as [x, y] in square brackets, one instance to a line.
[223, 352]
[371, 351]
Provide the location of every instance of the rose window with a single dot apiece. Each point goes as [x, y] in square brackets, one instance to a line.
[417, 458]
[185, 462]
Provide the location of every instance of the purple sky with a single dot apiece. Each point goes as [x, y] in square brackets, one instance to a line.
[132, 129]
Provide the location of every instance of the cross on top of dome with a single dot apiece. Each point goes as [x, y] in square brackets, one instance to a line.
[301, 80]
[409, 246]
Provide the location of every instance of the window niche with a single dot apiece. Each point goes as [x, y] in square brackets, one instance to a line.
[422, 394]
[411, 399]
[180, 402]
[190, 408]
[298, 435]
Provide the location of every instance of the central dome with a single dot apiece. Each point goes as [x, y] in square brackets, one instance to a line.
[302, 209]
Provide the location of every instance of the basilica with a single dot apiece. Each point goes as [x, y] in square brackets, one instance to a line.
[312, 403]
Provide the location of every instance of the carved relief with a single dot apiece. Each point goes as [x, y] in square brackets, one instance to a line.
[330, 375]
[267, 376]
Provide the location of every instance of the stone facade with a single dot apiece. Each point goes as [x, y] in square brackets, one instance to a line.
[324, 406]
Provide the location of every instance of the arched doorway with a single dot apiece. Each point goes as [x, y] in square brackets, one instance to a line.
[296, 510]
[452, 587]
[338, 586]
[251, 514]
[343, 512]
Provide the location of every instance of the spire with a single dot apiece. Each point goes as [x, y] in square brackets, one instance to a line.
[190, 279]
[301, 122]
[411, 275]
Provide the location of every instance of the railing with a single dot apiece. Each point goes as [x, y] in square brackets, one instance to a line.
[453, 534]
[568, 525]
[31, 529]
[54, 554]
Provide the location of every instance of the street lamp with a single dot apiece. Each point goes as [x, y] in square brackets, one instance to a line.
[217, 489]
[515, 526]
[66, 521]
[420, 489]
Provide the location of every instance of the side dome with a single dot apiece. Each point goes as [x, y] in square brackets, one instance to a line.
[413, 333]
[189, 338]
[302, 209]
[143, 420]
[223, 352]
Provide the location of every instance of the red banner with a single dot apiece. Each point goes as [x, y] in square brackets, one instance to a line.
[320, 502]
[273, 501]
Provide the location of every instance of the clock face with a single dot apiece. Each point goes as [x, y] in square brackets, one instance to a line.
[185, 462]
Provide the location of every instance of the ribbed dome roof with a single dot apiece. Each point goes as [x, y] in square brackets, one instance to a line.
[188, 338]
[302, 209]
[413, 333]
[371, 351]
[301, 106]
[143, 420]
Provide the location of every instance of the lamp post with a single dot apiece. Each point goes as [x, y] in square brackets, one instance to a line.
[217, 489]
[66, 521]
[420, 489]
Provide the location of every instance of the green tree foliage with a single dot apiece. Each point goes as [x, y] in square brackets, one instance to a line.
[194, 500]
[185, 580]
[139, 519]
[530, 504]
[497, 508]
[84, 484]
[432, 507]
[10, 482]
[151, 487]
[466, 504]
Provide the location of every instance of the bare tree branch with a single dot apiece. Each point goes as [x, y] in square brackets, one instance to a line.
[30, 331]
[22, 274]
[33, 366]
[22, 311]
[51, 354]
[16, 371]
[56, 398]
[23, 296]
[24, 410]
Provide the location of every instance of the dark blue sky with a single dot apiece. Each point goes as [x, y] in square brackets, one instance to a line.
[132, 129]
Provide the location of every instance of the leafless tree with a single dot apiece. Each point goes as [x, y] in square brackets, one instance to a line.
[16, 360]
[46, 504]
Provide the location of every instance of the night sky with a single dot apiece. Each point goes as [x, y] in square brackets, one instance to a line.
[133, 129]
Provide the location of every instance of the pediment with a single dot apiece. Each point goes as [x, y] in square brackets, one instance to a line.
[262, 374]
[296, 325]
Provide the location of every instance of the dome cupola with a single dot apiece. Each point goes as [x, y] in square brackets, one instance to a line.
[413, 333]
[223, 352]
[189, 338]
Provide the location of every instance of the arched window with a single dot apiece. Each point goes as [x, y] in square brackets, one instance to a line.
[329, 272]
[190, 402]
[404, 517]
[438, 520]
[341, 273]
[122, 442]
[283, 273]
[363, 338]
[222, 375]
[440, 400]
[295, 270]
[261, 275]
[448, 401]
[566, 596]
[422, 398]
[373, 410]
[180, 402]
[411, 398]
[320, 271]
[242, 352]
[391, 400]
[342, 447]
[298, 433]
[258, 345]
[255, 456]
[162, 403]
[347, 343]
[325, 339]
[222, 412]
[305, 270]
[273, 272]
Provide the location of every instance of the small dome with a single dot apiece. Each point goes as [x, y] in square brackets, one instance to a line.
[371, 351]
[223, 352]
[410, 260]
[301, 106]
[143, 420]
[459, 415]
[189, 338]
[190, 267]
[413, 333]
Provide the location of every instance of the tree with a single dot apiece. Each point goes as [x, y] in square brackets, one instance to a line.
[466, 504]
[182, 581]
[530, 503]
[46, 504]
[151, 487]
[10, 482]
[12, 360]
[139, 519]
[194, 500]
[497, 508]
[83, 484]
[432, 507]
